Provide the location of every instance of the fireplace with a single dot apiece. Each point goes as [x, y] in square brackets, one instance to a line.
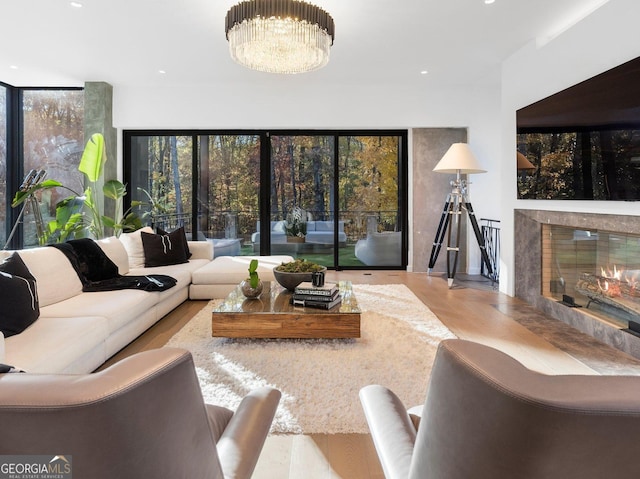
[583, 269]
[594, 269]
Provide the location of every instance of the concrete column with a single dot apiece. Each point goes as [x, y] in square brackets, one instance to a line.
[430, 191]
[98, 118]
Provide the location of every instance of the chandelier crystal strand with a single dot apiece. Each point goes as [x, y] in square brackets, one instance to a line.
[285, 36]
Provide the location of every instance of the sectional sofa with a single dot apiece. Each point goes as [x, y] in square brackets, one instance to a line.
[78, 331]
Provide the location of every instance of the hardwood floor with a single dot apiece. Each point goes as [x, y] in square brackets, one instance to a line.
[472, 309]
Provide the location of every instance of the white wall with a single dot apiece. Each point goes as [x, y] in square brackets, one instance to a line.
[292, 102]
[608, 37]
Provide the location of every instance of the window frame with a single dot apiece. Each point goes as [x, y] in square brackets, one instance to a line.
[15, 153]
[265, 177]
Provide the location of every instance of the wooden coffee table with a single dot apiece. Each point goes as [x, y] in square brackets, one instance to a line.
[273, 316]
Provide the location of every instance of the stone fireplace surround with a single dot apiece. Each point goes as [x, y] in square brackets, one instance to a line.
[528, 270]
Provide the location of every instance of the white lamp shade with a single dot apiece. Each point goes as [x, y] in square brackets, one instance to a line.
[459, 159]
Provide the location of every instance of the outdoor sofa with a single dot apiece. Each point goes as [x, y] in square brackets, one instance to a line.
[320, 232]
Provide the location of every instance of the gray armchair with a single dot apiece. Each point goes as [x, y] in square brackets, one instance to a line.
[486, 416]
[143, 417]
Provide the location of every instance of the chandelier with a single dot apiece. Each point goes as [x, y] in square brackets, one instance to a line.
[279, 36]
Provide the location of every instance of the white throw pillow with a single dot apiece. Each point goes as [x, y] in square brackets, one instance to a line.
[132, 242]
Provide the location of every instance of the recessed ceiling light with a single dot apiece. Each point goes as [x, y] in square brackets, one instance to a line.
[14, 67]
[162, 72]
[424, 72]
[75, 4]
[489, 2]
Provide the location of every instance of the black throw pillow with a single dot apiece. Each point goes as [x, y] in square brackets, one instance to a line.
[160, 231]
[164, 249]
[19, 306]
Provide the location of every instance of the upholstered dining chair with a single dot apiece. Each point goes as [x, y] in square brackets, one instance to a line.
[486, 416]
[143, 417]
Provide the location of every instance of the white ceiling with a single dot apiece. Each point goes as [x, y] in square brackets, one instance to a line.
[127, 42]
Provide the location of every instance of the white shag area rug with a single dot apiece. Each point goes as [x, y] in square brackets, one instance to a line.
[320, 379]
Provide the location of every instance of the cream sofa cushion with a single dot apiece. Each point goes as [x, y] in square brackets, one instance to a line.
[56, 279]
[118, 307]
[132, 242]
[63, 339]
[116, 252]
[234, 269]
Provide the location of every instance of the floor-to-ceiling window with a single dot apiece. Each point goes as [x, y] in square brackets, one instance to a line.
[303, 193]
[345, 191]
[53, 137]
[208, 184]
[40, 129]
[163, 180]
[372, 198]
[229, 187]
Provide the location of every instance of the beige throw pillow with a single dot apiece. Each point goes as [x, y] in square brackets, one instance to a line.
[132, 242]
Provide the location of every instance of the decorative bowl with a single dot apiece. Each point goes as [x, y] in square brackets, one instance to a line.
[291, 280]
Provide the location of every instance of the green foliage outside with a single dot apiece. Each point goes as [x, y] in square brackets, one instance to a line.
[301, 176]
[302, 169]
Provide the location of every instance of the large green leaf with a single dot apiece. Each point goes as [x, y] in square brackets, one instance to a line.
[93, 158]
[21, 195]
[254, 280]
[114, 189]
[68, 208]
[131, 222]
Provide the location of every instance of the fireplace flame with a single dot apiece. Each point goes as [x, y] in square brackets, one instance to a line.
[615, 274]
[616, 280]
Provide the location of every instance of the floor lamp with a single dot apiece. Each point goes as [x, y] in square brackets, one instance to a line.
[33, 178]
[458, 160]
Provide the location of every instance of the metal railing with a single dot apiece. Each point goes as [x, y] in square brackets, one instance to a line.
[242, 224]
[491, 239]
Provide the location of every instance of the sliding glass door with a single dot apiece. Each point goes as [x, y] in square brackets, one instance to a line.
[207, 184]
[334, 198]
[162, 179]
[370, 200]
[343, 191]
[303, 197]
[228, 192]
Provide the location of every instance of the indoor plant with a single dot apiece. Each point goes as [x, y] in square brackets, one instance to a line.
[291, 274]
[252, 286]
[81, 215]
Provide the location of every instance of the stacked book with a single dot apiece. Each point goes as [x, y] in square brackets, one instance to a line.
[308, 295]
